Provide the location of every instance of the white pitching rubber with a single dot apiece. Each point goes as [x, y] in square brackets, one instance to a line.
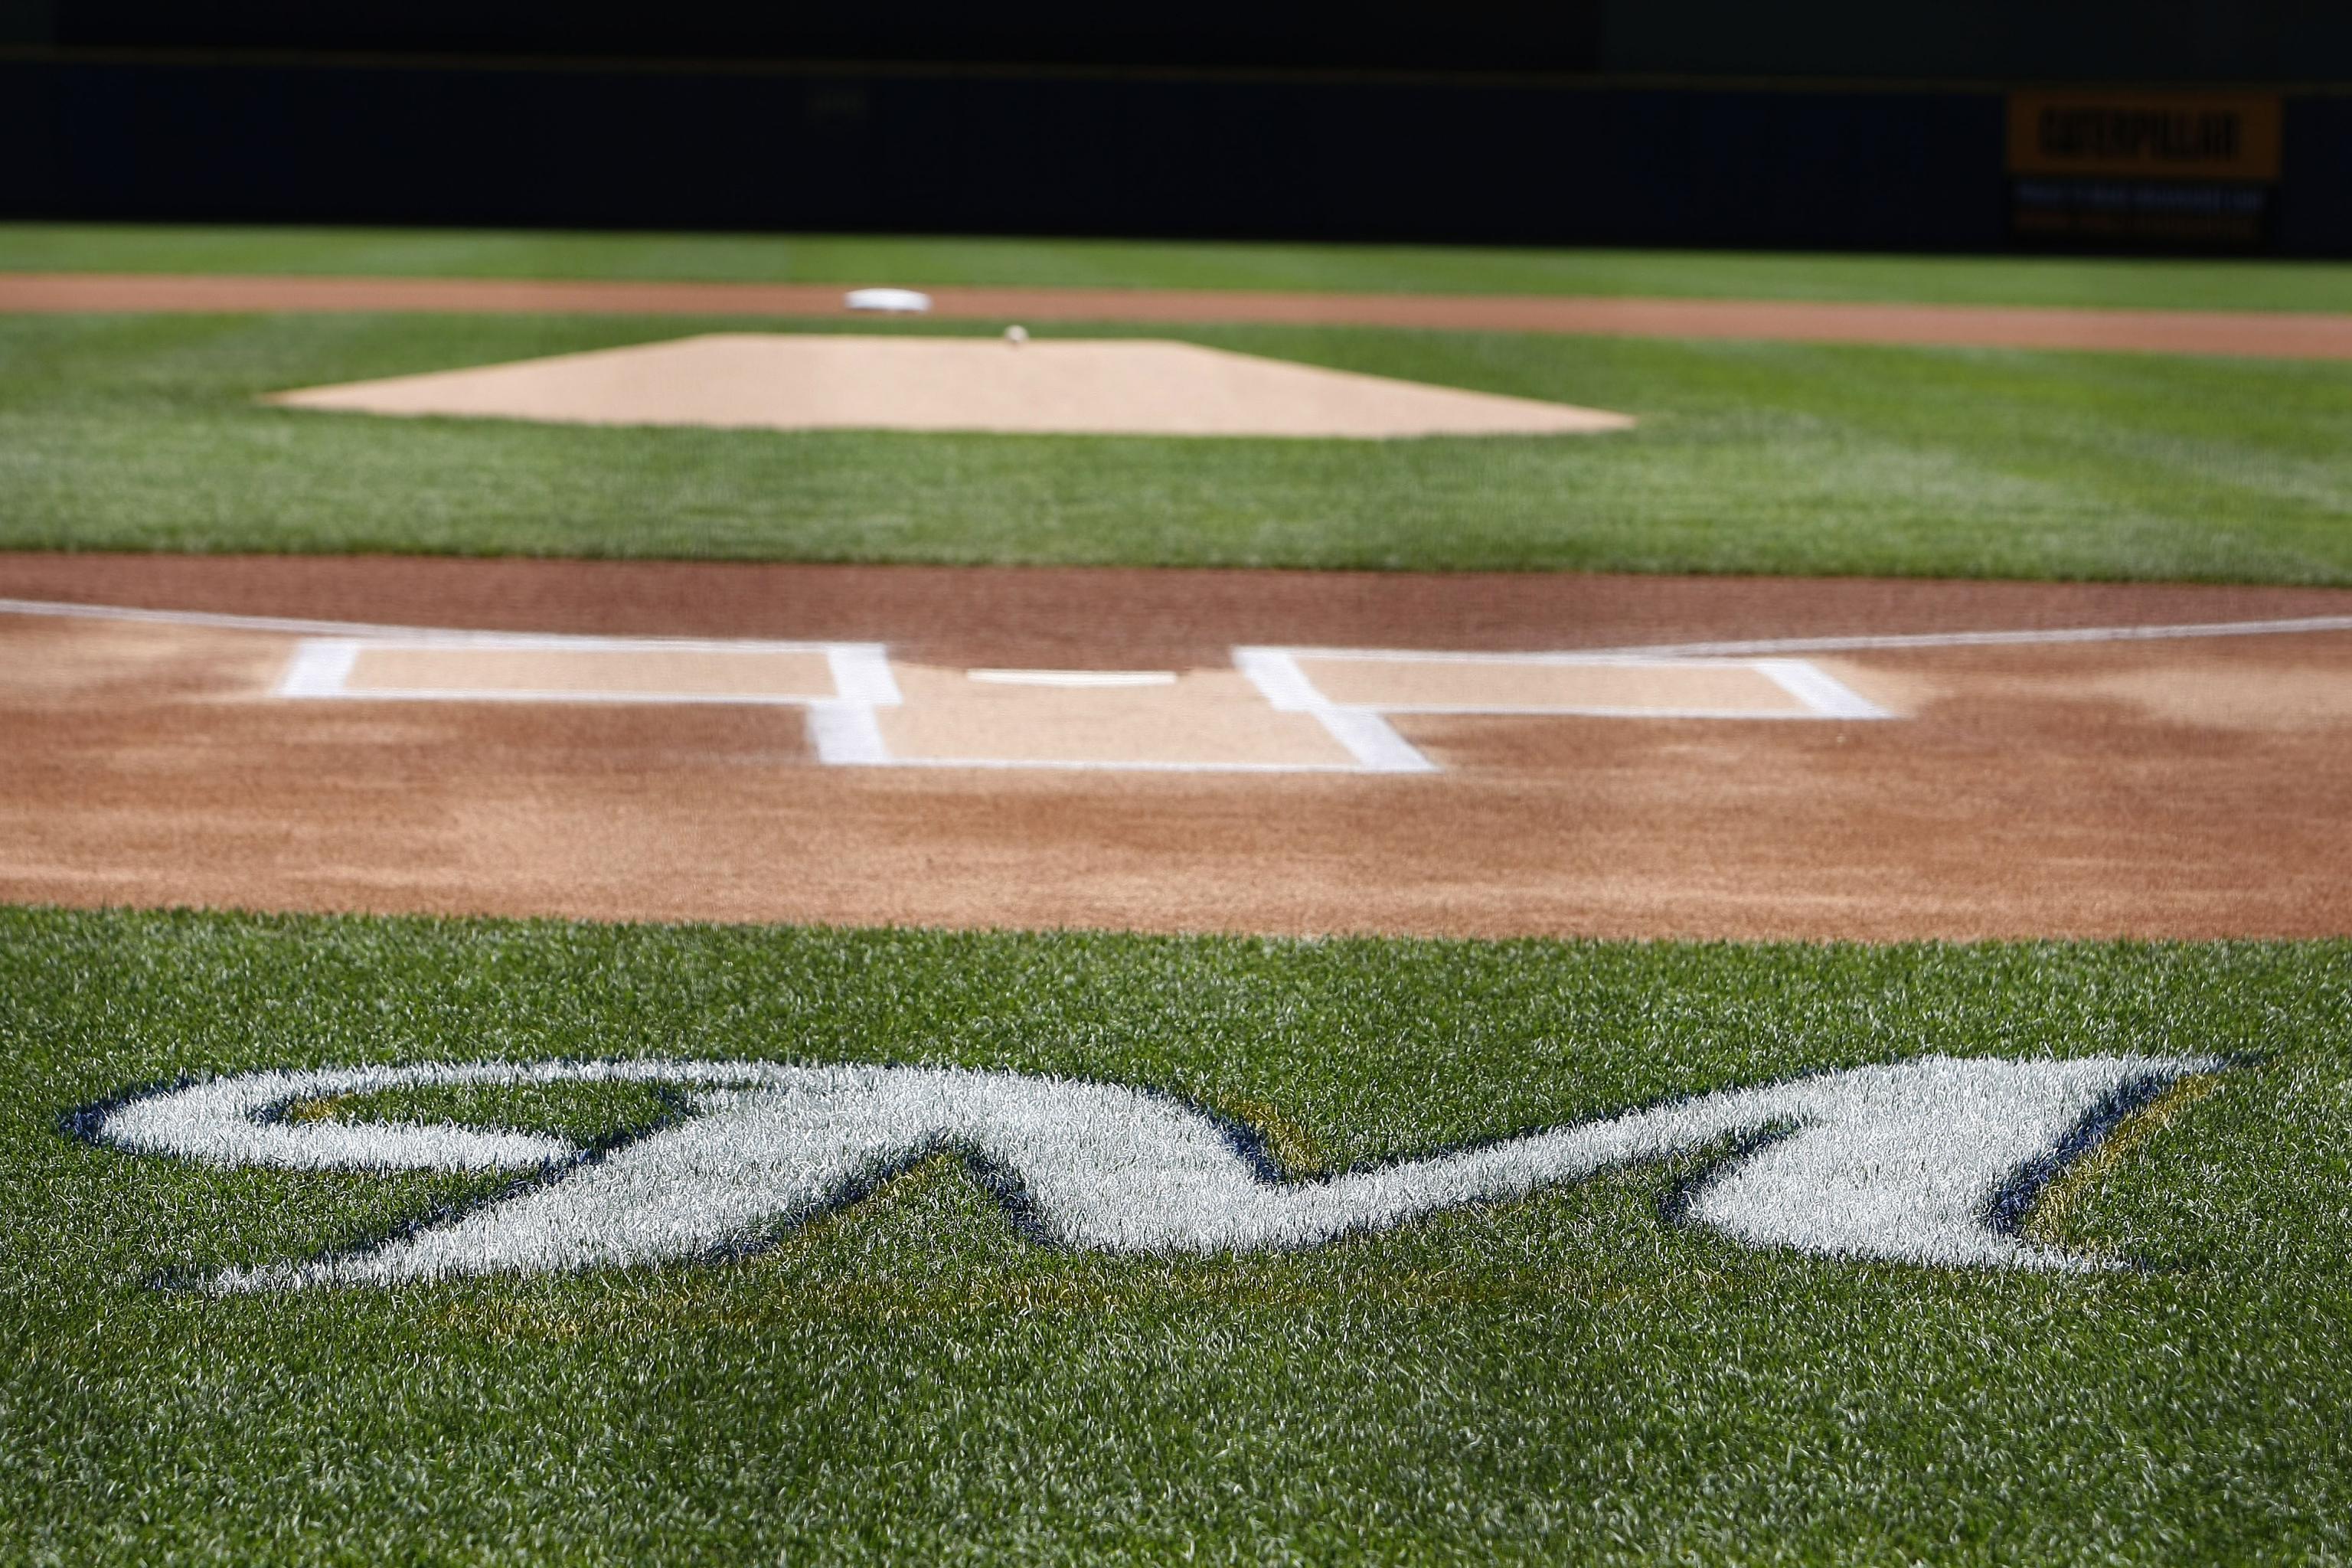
[898, 301]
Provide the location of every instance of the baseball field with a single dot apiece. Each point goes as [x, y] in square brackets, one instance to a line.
[1342, 904]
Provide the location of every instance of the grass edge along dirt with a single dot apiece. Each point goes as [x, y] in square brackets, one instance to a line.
[145, 433]
[2160, 283]
[912, 1378]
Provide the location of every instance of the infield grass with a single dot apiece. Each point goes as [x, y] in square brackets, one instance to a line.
[1566, 1378]
[144, 433]
[2159, 284]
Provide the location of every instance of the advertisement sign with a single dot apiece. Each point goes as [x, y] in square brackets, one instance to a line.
[2155, 168]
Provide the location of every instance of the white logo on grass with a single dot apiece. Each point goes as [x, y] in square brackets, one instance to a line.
[1930, 1160]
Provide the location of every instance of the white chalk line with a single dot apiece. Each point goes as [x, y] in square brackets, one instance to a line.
[320, 668]
[1289, 688]
[2302, 624]
[843, 727]
[1368, 737]
[434, 636]
[1817, 688]
[861, 674]
[844, 730]
[1640, 653]
[303, 627]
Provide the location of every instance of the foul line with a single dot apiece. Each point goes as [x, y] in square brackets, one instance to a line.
[1923, 639]
[294, 626]
[2003, 639]
[439, 636]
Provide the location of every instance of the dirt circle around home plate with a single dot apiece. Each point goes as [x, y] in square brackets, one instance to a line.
[1260, 751]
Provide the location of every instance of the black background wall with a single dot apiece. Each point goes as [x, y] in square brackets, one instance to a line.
[1682, 122]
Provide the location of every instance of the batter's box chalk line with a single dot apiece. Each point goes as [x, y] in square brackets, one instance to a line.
[844, 708]
[846, 730]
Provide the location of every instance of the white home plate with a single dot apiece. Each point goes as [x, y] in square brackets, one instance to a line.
[1100, 387]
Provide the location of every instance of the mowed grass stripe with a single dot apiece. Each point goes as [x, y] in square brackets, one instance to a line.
[1566, 1378]
[849, 259]
[144, 432]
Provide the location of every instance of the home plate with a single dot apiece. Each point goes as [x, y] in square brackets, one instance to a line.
[847, 382]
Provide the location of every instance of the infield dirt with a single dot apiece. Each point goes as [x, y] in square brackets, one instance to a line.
[1097, 386]
[2264, 333]
[2182, 788]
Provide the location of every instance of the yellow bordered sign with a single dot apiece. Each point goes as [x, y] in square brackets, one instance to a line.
[2155, 135]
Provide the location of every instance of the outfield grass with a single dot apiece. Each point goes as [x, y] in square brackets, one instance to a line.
[144, 433]
[1565, 1377]
[1438, 269]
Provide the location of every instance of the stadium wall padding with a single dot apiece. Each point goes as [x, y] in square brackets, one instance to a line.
[2315, 214]
[919, 151]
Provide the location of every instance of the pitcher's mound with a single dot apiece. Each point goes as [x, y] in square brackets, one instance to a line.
[1097, 388]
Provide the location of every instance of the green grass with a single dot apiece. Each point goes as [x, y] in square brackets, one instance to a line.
[144, 433]
[847, 259]
[1563, 1378]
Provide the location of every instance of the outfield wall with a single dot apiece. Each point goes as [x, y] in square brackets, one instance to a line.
[1558, 160]
[1089, 152]
[2114, 42]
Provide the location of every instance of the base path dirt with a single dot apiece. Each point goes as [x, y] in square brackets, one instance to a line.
[2182, 786]
[2269, 334]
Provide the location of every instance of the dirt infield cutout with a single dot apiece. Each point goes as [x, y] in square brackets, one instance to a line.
[2095, 761]
[1274, 709]
[842, 382]
[2284, 334]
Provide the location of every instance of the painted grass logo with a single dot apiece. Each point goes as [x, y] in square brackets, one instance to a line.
[1932, 1160]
